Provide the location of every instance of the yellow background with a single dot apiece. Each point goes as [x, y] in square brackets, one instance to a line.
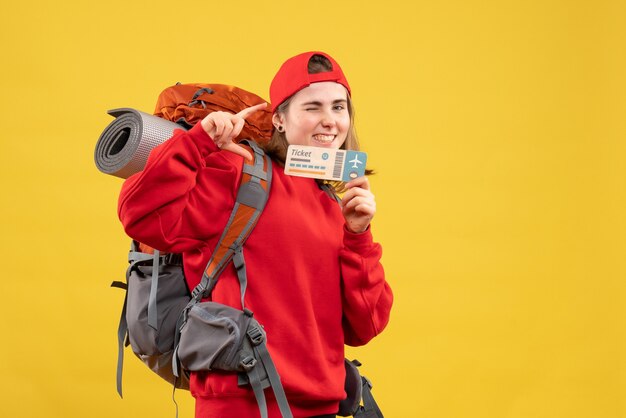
[496, 128]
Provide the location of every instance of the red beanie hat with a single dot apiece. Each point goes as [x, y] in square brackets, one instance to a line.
[294, 75]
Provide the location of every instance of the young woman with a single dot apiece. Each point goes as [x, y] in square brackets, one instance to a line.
[314, 278]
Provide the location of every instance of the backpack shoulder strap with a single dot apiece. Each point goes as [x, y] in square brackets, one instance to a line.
[251, 199]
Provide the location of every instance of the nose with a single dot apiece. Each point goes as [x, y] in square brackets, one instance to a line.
[328, 119]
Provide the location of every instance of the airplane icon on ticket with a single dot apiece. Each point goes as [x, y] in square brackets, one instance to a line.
[355, 162]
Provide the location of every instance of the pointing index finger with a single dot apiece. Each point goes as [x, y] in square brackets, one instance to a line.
[249, 110]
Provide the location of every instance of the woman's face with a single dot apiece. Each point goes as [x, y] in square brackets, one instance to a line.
[317, 116]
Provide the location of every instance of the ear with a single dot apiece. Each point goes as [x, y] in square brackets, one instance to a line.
[277, 119]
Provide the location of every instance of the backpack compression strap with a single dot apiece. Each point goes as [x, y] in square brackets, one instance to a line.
[134, 257]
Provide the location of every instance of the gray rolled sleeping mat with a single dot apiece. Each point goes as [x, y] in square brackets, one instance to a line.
[123, 147]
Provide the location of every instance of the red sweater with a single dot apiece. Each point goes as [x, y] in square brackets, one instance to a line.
[312, 284]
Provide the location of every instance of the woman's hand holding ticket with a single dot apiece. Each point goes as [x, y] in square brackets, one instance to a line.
[358, 205]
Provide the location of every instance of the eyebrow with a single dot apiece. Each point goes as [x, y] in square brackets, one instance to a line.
[317, 103]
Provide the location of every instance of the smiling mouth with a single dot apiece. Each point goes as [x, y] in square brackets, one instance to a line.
[324, 139]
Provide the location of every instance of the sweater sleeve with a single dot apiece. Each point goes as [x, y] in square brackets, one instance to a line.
[367, 297]
[183, 196]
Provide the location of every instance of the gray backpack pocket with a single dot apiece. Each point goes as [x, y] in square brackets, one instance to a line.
[215, 338]
[150, 327]
[173, 296]
[219, 337]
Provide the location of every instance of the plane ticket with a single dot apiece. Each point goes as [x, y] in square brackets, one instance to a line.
[324, 163]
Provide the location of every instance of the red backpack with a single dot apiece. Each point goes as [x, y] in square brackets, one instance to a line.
[187, 104]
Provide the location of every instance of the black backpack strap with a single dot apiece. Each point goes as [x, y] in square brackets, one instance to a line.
[360, 402]
[370, 408]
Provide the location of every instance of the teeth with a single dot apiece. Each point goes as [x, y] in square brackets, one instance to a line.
[324, 138]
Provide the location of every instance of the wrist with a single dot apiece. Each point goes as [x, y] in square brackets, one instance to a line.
[357, 242]
[356, 230]
[202, 139]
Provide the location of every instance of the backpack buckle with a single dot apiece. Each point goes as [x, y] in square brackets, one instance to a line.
[173, 259]
[248, 362]
[197, 291]
[255, 335]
